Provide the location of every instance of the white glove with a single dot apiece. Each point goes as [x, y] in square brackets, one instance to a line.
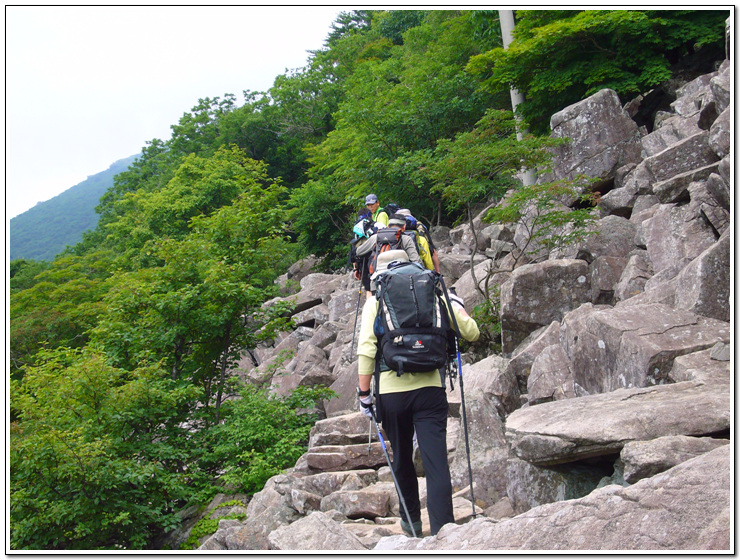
[366, 405]
[456, 301]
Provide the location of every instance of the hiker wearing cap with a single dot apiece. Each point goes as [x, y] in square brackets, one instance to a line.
[408, 403]
[378, 214]
[393, 237]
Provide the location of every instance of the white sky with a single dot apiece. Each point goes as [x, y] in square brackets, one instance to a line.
[89, 85]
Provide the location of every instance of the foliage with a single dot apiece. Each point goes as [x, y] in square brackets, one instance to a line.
[560, 57]
[93, 452]
[261, 435]
[548, 222]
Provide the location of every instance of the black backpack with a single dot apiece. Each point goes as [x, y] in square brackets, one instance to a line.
[412, 325]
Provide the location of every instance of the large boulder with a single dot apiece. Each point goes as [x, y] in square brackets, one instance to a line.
[603, 137]
[316, 531]
[537, 294]
[703, 287]
[488, 449]
[685, 508]
[643, 459]
[634, 346]
[595, 425]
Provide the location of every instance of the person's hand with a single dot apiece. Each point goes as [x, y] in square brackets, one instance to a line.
[357, 275]
[366, 405]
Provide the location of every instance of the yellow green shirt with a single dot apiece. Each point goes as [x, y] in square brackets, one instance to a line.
[380, 216]
[390, 382]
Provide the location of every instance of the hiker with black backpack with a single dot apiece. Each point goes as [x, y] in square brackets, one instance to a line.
[363, 229]
[388, 239]
[404, 348]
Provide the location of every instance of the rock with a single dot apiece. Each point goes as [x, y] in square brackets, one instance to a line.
[314, 532]
[314, 316]
[491, 376]
[325, 483]
[358, 503]
[489, 451]
[253, 535]
[643, 459]
[347, 429]
[691, 153]
[604, 137]
[719, 134]
[537, 294]
[670, 131]
[452, 267]
[344, 303]
[634, 346]
[500, 509]
[345, 387]
[701, 367]
[703, 287]
[614, 237]
[719, 190]
[465, 286]
[605, 274]
[721, 352]
[635, 275]
[596, 425]
[346, 457]
[551, 378]
[670, 236]
[720, 87]
[684, 508]
[531, 486]
[302, 268]
[440, 237]
[676, 189]
[524, 355]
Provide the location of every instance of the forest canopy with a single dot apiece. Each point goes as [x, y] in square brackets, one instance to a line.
[124, 408]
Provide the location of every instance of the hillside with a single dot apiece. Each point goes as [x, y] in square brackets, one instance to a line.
[46, 229]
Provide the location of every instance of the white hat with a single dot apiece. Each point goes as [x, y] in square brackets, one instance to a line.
[404, 212]
[386, 258]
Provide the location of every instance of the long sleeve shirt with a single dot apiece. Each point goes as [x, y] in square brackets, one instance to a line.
[390, 382]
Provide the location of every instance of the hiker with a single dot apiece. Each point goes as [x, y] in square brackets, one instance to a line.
[410, 402]
[363, 230]
[376, 212]
[388, 239]
[417, 231]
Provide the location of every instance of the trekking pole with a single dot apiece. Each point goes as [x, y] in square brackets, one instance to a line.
[357, 312]
[395, 480]
[462, 392]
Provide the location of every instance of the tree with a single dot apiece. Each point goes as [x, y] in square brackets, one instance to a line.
[92, 455]
[560, 57]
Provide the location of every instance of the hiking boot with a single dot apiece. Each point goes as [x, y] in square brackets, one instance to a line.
[407, 528]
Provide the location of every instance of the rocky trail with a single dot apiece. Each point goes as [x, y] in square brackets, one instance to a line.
[605, 423]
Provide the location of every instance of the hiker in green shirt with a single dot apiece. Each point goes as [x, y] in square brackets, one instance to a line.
[378, 214]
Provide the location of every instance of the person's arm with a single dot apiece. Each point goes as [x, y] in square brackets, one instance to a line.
[366, 246]
[408, 245]
[468, 327]
[367, 345]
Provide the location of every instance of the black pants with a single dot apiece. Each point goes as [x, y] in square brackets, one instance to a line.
[426, 411]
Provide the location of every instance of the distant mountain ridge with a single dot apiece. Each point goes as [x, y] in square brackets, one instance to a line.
[48, 228]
